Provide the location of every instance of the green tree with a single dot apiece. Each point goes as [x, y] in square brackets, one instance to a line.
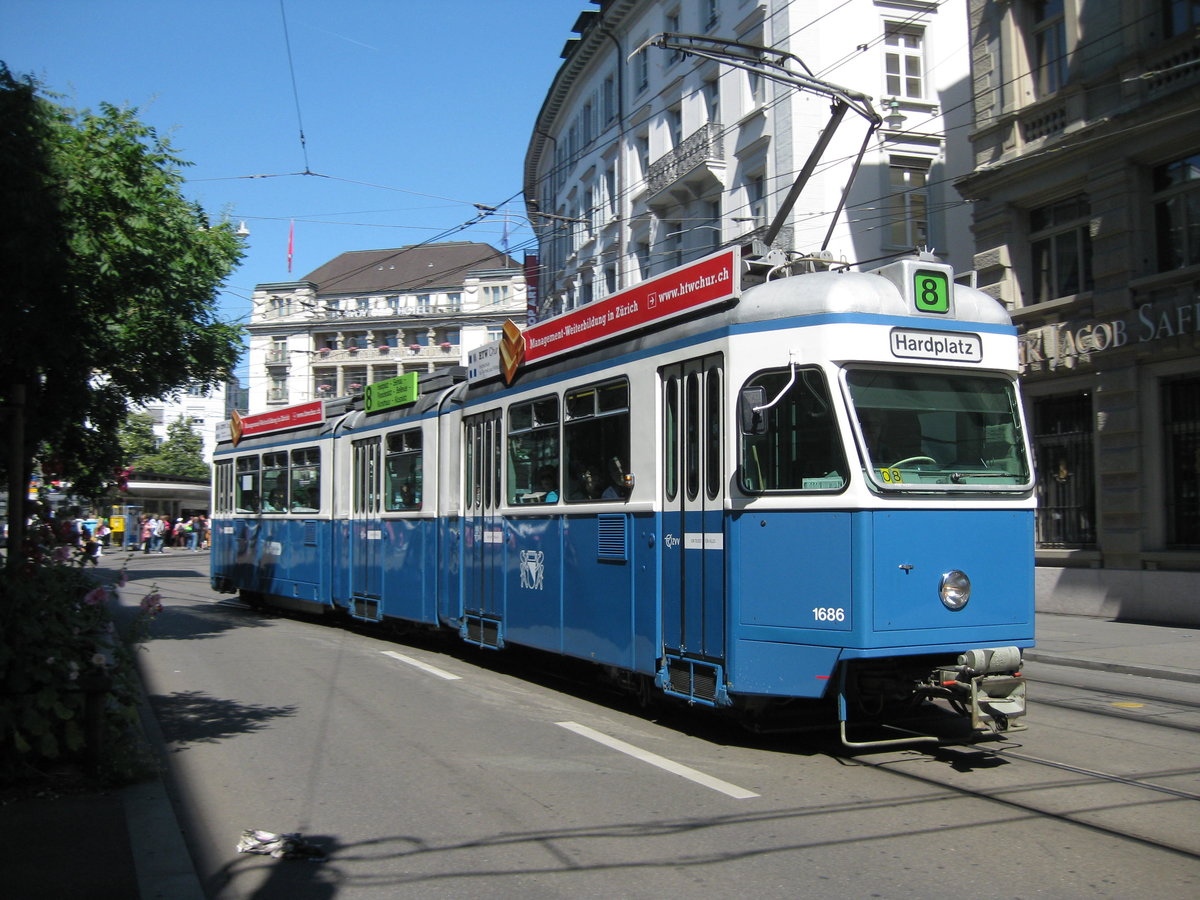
[137, 436]
[111, 283]
[180, 455]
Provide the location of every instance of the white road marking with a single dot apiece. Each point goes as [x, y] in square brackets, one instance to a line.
[716, 784]
[423, 666]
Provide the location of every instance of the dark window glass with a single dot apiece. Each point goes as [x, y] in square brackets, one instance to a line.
[596, 442]
[1181, 441]
[402, 469]
[1062, 451]
[797, 446]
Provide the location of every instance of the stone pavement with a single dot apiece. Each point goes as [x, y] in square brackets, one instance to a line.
[127, 844]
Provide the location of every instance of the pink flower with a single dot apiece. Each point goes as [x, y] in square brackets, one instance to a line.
[95, 596]
[152, 603]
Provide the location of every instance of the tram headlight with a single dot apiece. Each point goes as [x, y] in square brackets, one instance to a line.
[955, 589]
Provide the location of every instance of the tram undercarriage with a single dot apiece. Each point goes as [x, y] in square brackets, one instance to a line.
[983, 687]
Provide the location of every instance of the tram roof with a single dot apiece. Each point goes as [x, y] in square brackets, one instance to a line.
[866, 293]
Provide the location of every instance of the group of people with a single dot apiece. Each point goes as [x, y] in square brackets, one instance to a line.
[159, 532]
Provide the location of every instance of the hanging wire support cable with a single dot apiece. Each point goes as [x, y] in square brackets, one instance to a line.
[287, 42]
[773, 65]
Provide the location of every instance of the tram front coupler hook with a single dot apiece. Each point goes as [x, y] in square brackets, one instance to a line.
[989, 685]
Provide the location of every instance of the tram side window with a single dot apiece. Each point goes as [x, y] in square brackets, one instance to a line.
[596, 441]
[402, 470]
[306, 480]
[533, 466]
[275, 482]
[791, 442]
[247, 484]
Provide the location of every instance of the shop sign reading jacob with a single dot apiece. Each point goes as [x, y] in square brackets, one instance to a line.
[1070, 344]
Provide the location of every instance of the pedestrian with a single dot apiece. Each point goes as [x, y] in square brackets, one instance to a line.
[147, 534]
[192, 531]
[90, 552]
[103, 533]
[156, 534]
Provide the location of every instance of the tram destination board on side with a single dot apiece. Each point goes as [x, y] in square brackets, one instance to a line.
[398, 391]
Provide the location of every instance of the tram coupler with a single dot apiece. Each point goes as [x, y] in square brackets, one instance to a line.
[988, 684]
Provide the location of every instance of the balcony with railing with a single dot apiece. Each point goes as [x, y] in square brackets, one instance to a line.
[700, 156]
[383, 354]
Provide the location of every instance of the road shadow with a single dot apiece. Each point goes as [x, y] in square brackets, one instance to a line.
[194, 717]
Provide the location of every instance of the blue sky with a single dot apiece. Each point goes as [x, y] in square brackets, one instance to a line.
[412, 111]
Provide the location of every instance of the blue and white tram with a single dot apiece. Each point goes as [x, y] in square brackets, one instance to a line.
[815, 487]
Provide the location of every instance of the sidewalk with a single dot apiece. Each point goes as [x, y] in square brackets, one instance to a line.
[127, 843]
[1155, 651]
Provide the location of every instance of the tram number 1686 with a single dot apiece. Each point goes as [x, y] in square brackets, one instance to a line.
[829, 614]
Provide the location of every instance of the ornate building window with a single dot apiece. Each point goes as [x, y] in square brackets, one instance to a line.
[908, 201]
[1177, 213]
[1048, 44]
[1060, 249]
[1180, 16]
[904, 61]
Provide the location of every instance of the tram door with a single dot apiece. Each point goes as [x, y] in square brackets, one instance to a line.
[693, 545]
[366, 530]
[483, 529]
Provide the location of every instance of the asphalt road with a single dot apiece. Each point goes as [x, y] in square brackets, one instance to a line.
[428, 772]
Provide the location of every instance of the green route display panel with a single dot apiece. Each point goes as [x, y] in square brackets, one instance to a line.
[931, 291]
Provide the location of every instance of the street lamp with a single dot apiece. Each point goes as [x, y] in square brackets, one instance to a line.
[895, 117]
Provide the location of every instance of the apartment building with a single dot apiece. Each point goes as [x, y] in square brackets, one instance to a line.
[369, 315]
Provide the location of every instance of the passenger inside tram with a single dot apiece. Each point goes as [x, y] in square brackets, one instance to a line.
[617, 488]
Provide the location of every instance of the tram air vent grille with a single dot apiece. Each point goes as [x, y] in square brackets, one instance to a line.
[612, 537]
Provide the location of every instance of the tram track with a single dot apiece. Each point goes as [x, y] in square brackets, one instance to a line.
[1124, 715]
[1139, 807]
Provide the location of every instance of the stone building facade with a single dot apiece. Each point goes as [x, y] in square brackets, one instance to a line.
[1086, 197]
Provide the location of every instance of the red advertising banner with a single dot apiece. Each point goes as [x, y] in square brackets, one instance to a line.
[707, 281]
[276, 420]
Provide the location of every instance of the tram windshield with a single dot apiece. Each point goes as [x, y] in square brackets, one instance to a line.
[939, 430]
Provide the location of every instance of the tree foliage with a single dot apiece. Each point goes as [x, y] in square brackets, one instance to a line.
[113, 278]
[180, 455]
[137, 436]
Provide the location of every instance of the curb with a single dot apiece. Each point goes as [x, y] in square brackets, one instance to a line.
[163, 864]
[1100, 665]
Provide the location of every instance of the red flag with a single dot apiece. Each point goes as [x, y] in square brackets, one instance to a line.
[291, 242]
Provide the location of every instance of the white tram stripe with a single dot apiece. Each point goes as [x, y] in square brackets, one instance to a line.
[708, 781]
[423, 666]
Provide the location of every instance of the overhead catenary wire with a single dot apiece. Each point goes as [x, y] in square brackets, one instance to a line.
[287, 42]
[777, 178]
